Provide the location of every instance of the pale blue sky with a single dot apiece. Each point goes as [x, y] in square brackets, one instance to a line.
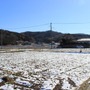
[66, 16]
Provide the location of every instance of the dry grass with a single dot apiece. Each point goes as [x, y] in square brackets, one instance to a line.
[59, 85]
[84, 85]
[71, 82]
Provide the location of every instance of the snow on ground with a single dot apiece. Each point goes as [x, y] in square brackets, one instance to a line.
[7, 87]
[47, 68]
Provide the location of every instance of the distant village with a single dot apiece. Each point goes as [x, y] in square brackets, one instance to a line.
[80, 43]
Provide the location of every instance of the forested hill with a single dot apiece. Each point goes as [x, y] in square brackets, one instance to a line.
[8, 37]
[45, 36]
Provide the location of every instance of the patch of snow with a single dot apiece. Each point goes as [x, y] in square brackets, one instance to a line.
[1, 80]
[7, 87]
[47, 85]
[66, 85]
[89, 82]
[25, 83]
[47, 68]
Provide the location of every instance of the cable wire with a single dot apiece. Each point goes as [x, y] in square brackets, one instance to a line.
[29, 26]
[74, 23]
[48, 24]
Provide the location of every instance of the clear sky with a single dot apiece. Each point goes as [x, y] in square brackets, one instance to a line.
[66, 16]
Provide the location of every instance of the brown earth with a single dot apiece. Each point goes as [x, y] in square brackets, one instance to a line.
[85, 85]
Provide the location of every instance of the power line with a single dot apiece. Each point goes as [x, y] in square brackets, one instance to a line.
[74, 23]
[48, 24]
[29, 26]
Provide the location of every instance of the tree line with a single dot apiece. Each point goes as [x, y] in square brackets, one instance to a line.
[11, 38]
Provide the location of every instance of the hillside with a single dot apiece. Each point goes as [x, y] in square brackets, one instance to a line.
[46, 36]
[49, 36]
[10, 38]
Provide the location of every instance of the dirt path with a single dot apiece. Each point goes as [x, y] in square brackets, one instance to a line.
[85, 85]
[88, 88]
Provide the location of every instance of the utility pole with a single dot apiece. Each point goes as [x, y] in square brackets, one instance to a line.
[50, 26]
[51, 33]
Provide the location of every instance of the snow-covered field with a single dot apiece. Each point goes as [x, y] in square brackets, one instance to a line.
[44, 70]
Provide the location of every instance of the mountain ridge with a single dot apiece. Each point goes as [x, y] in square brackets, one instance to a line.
[8, 37]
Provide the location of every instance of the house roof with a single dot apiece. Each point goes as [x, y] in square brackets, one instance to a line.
[84, 39]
